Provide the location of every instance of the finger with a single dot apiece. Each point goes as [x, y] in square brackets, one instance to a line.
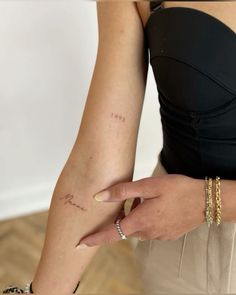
[145, 188]
[110, 234]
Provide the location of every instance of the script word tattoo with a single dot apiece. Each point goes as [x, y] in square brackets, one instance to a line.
[69, 201]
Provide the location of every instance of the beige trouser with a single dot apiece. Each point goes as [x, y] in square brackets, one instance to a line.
[201, 261]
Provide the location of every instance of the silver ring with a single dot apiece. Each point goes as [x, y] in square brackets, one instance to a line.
[122, 235]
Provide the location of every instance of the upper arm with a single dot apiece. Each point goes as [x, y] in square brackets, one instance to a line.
[121, 39]
[109, 127]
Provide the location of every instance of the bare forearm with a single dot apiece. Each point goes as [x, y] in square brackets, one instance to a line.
[73, 213]
[102, 156]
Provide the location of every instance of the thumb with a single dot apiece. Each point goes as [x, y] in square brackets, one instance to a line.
[101, 232]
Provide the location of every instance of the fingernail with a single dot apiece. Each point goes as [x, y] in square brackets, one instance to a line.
[103, 196]
[82, 246]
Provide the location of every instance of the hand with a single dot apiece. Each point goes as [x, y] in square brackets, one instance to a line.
[173, 204]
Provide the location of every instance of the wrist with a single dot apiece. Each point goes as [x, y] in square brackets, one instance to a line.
[200, 200]
[29, 288]
[228, 200]
[203, 201]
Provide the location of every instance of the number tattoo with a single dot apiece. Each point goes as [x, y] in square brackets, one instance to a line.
[119, 117]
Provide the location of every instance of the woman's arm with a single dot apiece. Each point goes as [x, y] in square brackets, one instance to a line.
[104, 150]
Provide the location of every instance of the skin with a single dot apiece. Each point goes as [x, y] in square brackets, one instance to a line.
[103, 155]
[173, 204]
[104, 150]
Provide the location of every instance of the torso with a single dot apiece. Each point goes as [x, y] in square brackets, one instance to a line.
[193, 61]
[225, 11]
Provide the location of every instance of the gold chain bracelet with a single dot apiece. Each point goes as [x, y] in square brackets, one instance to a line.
[209, 201]
[218, 201]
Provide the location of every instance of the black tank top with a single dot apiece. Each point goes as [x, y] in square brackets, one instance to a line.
[193, 58]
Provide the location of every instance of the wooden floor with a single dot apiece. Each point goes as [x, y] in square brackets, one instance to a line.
[111, 271]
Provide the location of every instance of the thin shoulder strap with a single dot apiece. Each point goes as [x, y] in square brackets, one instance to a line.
[156, 4]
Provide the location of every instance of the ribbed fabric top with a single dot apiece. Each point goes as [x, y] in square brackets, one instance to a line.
[193, 57]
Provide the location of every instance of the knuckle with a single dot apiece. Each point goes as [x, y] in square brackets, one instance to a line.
[141, 223]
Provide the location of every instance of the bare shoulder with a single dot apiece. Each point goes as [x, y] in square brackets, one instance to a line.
[122, 13]
[120, 31]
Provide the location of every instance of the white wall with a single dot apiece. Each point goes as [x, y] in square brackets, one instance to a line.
[47, 55]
